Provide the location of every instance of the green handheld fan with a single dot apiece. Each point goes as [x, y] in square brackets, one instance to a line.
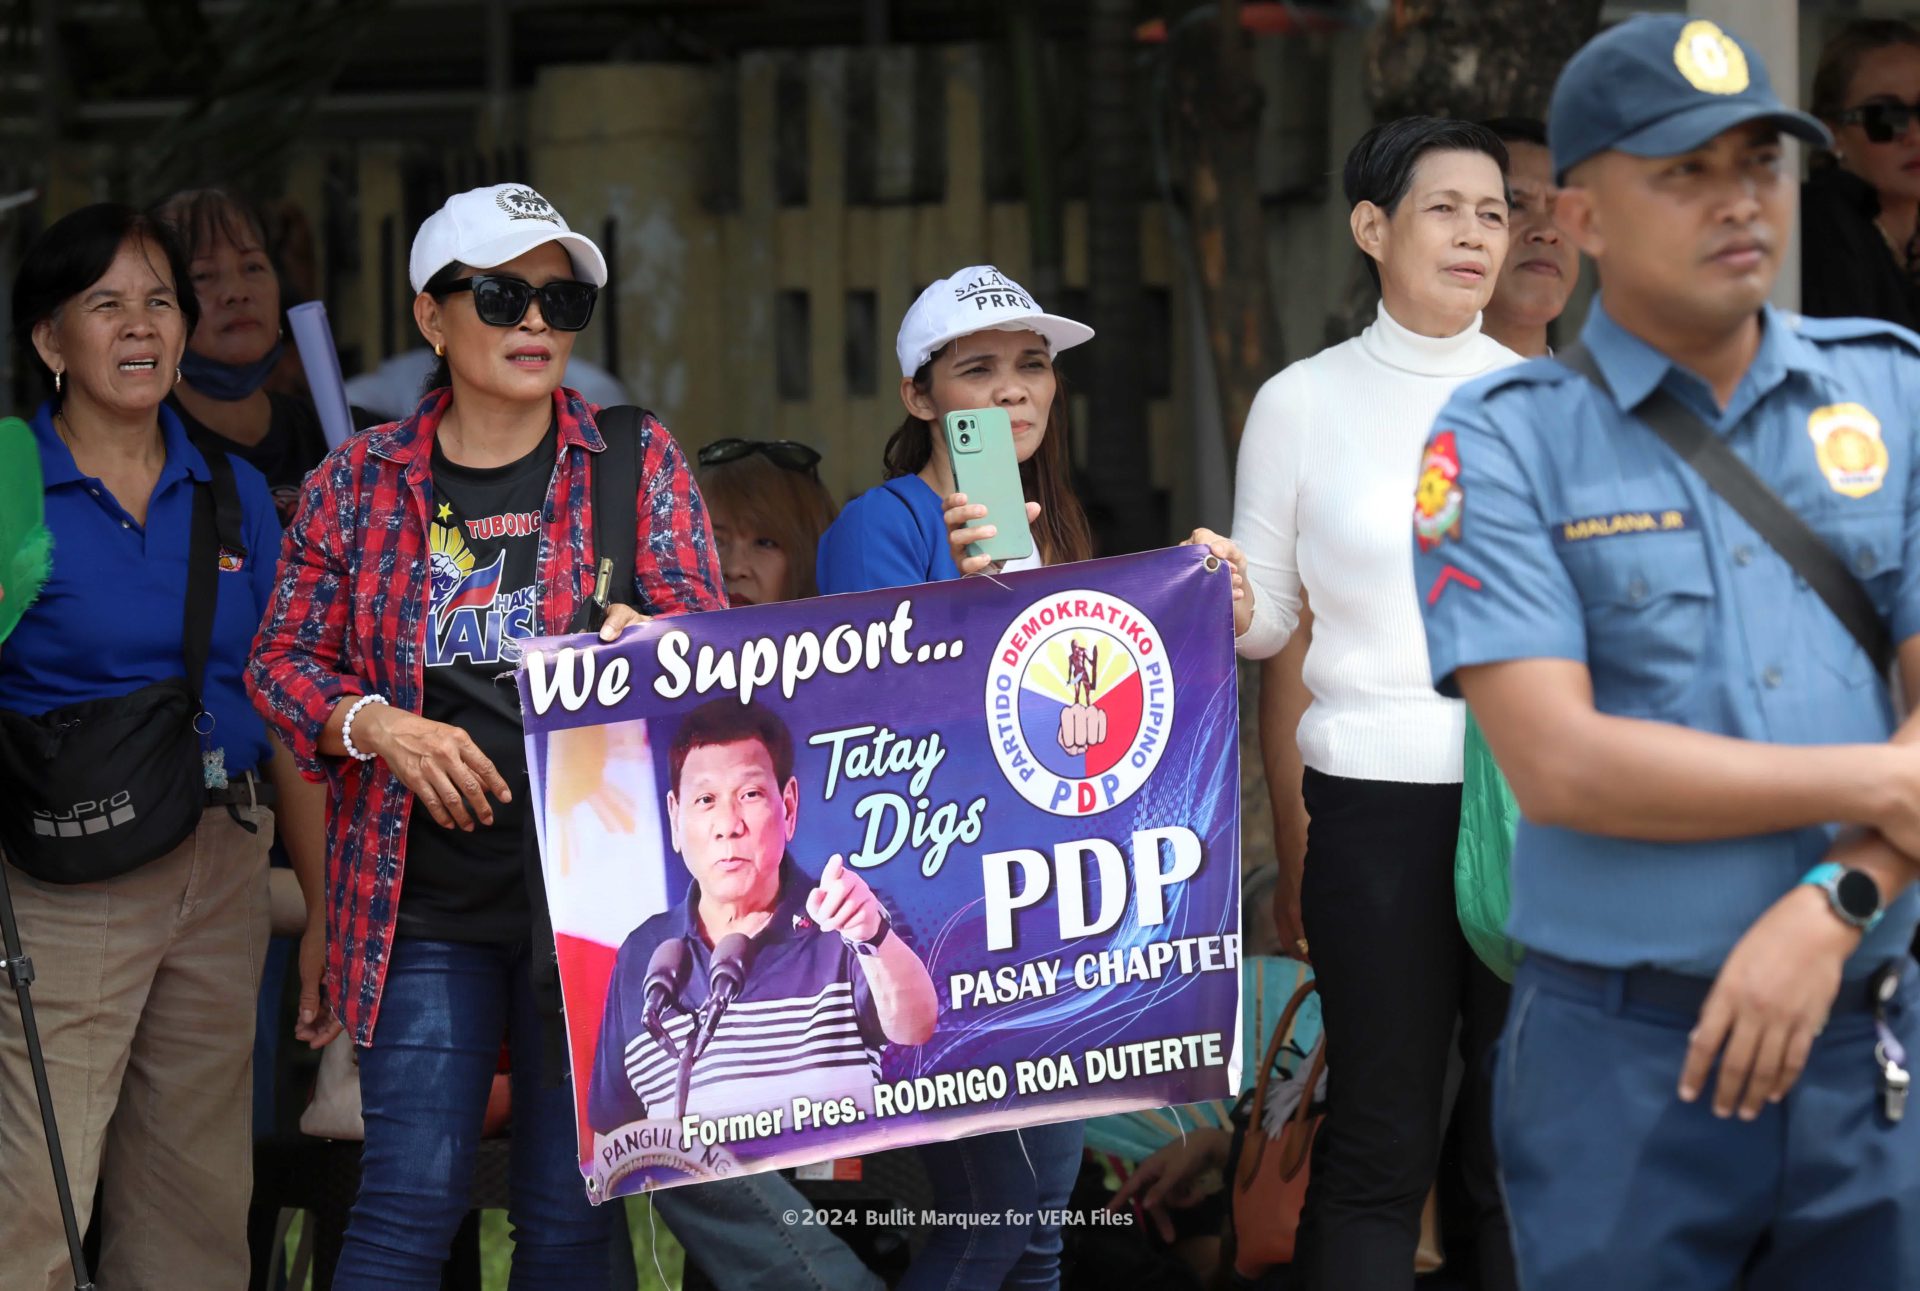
[26, 548]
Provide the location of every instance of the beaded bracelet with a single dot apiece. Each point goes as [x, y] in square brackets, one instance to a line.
[346, 727]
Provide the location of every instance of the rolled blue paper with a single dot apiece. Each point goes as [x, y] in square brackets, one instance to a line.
[317, 355]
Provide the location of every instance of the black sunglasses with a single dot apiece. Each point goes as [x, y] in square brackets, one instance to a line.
[784, 453]
[502, 302]
[1882, 122]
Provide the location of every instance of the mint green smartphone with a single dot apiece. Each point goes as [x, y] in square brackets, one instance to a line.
[980, 446]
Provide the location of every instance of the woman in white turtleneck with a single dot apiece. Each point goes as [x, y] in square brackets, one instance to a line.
[1327, 470]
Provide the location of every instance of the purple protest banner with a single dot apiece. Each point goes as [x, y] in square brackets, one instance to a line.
[865, 871]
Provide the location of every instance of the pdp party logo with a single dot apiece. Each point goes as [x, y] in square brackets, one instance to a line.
[1079, 702]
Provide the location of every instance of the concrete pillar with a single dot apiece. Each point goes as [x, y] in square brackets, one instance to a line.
[631, 143]
[1773, 28]
[382, 314]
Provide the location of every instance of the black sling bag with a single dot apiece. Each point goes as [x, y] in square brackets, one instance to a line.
[99, 788]
[616, 485]
[615, 482]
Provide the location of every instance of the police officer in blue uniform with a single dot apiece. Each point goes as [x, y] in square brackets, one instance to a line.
[1701, 1081]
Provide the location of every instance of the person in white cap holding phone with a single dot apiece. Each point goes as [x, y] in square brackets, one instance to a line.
[975, 340]
[422, 553]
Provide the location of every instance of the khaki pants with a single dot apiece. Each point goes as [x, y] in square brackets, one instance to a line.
[144, 991]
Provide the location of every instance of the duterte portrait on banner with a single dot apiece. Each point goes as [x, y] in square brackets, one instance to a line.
[763, 985]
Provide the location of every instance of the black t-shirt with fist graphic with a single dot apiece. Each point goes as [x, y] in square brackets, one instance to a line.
[484, 541]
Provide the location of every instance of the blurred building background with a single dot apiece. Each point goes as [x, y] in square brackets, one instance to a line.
[774, 180]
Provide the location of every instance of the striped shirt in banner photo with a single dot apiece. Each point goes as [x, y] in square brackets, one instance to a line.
[803, 1025]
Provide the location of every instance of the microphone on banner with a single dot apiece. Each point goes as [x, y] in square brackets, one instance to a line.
[732, 958]
[666, 975]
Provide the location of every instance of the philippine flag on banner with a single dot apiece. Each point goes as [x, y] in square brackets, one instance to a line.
[600, 787]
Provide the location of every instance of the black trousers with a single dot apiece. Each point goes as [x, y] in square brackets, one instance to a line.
[1397, 983]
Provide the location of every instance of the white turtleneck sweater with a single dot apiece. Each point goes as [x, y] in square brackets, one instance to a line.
[1324, 500]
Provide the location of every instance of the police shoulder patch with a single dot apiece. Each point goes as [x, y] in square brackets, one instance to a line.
[1439, 499]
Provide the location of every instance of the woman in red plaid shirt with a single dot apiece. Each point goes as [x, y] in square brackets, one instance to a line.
[422, 554]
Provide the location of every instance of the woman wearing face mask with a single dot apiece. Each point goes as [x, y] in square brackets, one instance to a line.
[769, 510]
[422, 553]
[223, 404]
[1860, 244]
[1330, 456]
[233, 350]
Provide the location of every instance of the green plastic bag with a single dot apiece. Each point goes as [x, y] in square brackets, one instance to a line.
[25, 555]
[1482, 888]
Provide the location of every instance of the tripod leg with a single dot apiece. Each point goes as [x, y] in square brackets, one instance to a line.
[20, 973]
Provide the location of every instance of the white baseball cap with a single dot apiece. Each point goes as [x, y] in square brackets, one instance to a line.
[978, 299]
[484, 227]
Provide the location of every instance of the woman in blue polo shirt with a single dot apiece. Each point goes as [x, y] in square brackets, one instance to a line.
[975, 340]
[145, 982]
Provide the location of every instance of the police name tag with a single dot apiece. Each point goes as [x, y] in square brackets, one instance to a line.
[1618, 523]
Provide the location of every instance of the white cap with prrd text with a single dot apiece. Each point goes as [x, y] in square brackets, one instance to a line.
[979, 299]
[484, 227]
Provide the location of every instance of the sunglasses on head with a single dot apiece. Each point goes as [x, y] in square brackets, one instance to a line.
[502, 302]
[784, 453]
[1882, 122]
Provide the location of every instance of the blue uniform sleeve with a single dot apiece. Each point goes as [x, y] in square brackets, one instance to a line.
[876, 542]
[1492, 587]
[1906, 603]
[611, 1102]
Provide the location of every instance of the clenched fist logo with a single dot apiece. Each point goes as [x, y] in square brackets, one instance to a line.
[1089, 705]
[1081, 727]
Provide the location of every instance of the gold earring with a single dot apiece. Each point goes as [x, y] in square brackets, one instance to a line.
[56, 380]
[439, 350]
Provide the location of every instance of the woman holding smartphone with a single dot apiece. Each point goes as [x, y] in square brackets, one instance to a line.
[975, 340]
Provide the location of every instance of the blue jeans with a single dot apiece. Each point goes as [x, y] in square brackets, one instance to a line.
[423, 1093]
[1011, 1174]
[735, 1230]
[1612, 1181]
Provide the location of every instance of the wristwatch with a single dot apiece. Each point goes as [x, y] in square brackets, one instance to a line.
[1853, 894]
[871, 946]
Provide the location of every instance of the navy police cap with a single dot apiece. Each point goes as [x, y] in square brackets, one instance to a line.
[1658, 85]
